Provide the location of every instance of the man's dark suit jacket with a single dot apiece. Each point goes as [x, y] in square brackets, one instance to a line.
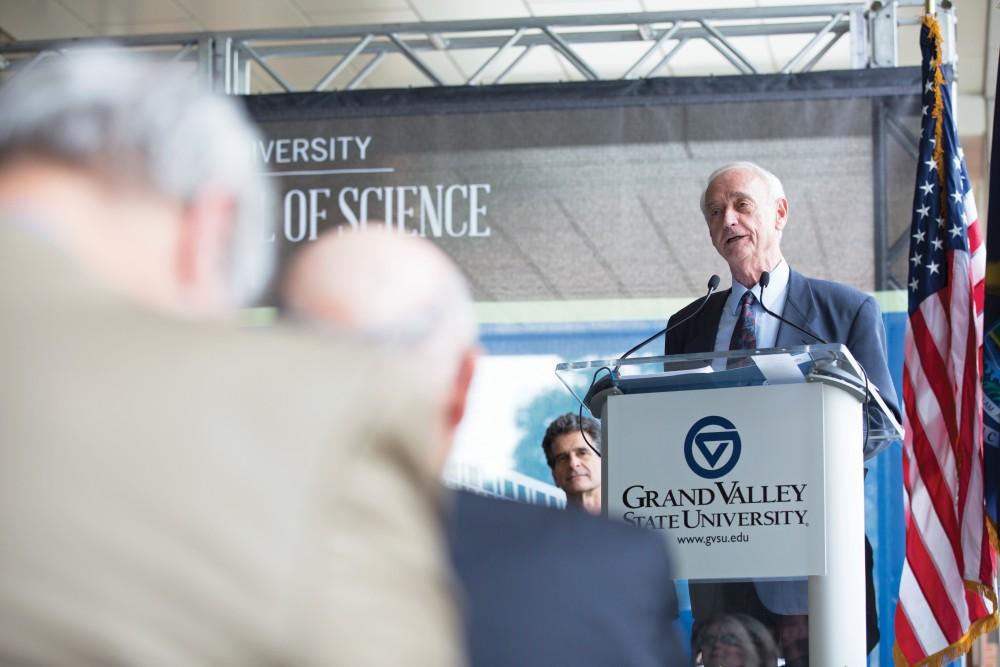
[838, 314]
[554, 587]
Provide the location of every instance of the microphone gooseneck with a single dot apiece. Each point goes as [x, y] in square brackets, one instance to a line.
[599, 390]
[713, 284]
[765, 278]
[764, 281]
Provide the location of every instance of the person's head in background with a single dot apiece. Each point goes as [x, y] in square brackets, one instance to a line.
[576, 468]
[397, 290]
[735, 640]
[793, 639]
[142, 175]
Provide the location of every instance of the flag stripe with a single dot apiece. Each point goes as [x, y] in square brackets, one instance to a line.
[921, 615]
[906, 639]
[929, 404]
[930, 480]
[931, 358]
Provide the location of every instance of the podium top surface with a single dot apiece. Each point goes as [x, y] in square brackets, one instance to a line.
[590, 381]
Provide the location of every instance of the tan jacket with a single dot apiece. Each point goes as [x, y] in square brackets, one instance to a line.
[182, 494]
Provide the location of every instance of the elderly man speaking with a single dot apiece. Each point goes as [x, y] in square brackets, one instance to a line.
[746, 211]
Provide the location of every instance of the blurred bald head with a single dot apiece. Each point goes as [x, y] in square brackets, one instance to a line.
[393, 290]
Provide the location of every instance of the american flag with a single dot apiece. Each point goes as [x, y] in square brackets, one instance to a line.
[947, 595]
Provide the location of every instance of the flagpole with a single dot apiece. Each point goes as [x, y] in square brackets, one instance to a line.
[929, 7]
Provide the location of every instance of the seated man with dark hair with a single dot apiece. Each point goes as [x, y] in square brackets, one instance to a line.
[572, 450]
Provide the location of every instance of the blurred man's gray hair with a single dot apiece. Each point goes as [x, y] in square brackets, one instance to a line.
[774, 187]
[147, 125]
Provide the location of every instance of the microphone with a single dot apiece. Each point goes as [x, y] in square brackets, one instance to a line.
[713, 284]
[765, 278]
[601, 389]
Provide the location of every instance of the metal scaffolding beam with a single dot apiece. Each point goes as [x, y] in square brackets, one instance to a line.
[242, 62]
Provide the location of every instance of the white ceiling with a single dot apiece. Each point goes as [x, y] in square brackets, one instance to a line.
[57, 19]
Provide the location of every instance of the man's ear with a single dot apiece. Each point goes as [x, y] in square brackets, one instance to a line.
[781, 217]
[460, 390]
[454, 408]
[206, 227]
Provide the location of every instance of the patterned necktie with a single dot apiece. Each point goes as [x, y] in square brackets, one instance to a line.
[745, 331]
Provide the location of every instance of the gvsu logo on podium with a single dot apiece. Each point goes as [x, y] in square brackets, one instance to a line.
[712, 447]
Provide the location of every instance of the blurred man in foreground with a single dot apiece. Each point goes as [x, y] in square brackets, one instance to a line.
[543, 587]
[176, 492]
[571, 445]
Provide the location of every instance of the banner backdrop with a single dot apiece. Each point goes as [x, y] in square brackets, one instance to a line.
[582, 191]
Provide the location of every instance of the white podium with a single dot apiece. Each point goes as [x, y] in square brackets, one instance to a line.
[750, 464]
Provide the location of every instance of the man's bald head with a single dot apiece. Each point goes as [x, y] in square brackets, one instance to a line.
[390, 288]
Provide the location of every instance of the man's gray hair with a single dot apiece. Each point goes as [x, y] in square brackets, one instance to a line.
[775, 189]
[140, 123]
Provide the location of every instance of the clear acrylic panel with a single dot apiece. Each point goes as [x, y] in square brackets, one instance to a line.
[828, 363]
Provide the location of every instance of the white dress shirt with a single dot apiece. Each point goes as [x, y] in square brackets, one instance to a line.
[775, 297]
